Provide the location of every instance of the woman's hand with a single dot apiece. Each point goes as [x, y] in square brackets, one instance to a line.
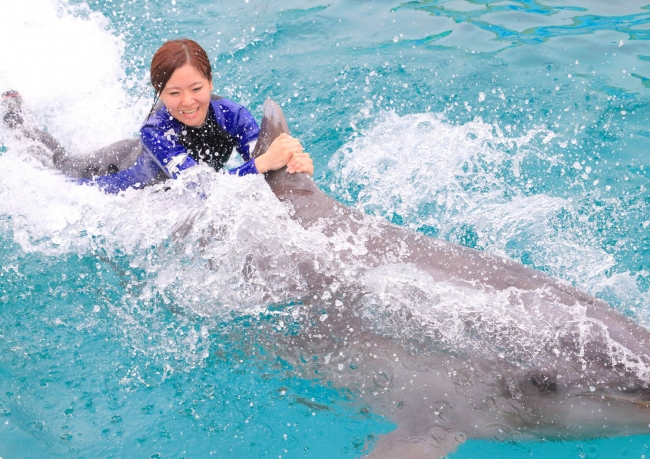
[284, 151]
[300, 162]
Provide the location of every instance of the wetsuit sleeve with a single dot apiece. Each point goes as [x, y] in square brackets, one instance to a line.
[162, 155]
[161, 142]
[142, 173]
[239, 123]
[247, 168]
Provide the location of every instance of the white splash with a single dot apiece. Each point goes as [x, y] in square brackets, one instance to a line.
[465, 183]
[72, 82]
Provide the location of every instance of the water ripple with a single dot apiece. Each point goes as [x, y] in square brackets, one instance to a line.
[580, 24]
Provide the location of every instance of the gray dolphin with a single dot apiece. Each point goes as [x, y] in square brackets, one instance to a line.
[448, 342]
[528, 356]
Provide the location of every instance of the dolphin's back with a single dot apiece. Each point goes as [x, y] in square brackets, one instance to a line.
[442, 259]
[108, 160]
[385, 243]
[582, 347]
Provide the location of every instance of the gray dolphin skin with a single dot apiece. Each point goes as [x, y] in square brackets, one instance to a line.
[447, 342]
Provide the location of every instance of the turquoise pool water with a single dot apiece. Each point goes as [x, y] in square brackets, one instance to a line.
[515, 127]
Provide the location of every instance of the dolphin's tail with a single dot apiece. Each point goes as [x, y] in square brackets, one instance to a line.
[46, 148]
[108, 160]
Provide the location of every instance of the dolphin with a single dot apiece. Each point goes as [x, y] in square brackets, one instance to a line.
[492, 350]
[448, 342]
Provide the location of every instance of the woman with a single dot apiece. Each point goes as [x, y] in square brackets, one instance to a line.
[190, 126]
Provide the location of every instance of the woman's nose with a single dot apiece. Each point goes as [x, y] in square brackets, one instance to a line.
[188, 98]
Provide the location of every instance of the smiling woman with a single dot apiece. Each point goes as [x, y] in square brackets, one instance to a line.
[187, 95]
[182, 77]
[206, 128]
[190, 126]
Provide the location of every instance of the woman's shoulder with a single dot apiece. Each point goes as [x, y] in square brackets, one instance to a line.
[234, 118]
[231, 115]
[225, 105]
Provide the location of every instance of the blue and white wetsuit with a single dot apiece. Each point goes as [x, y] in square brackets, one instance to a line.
[169, 146]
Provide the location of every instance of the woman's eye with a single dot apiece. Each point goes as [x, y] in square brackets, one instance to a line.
[198, 89]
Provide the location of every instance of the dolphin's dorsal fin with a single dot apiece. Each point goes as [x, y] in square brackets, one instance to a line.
[285, 186]
[309, 203]
[273, 124]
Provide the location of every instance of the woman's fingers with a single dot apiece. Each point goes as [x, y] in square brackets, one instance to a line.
[300, 162]
[287, 145]
[279, 154]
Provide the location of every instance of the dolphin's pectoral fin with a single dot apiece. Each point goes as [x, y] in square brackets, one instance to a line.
[544, 380]
[399, 445]
[621, 398]
[641, 403]
[538, 381]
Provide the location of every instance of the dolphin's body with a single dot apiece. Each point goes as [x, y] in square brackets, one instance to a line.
[448, 342]
[529, 357]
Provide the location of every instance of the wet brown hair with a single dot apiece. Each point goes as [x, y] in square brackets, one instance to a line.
[173, 55]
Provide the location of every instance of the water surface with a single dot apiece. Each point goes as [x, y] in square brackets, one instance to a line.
[516, 127]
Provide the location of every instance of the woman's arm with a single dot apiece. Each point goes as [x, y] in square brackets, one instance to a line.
[162, 156]
[284, 151]
[141, 174]
[160, 140]
[237, 121]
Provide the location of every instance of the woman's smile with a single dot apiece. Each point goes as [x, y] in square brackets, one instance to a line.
[190, 114]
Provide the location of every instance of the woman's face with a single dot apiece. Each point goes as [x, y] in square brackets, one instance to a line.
[187, 95]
